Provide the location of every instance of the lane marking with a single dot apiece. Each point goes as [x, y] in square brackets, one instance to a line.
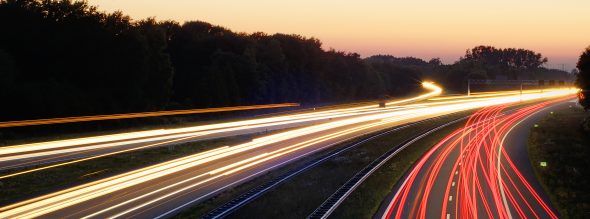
[505, 202]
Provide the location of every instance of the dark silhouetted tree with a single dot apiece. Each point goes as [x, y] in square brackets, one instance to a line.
[583, 78]
[65, 58]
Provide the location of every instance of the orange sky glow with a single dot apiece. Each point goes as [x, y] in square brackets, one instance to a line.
[419, 28]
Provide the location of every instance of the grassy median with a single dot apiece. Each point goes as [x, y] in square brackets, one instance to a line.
[364, 202]
[561, 143]
[298, 197]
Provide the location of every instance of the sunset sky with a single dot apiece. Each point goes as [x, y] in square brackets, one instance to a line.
[421, 28]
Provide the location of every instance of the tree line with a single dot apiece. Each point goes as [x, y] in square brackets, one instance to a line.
[66, 58]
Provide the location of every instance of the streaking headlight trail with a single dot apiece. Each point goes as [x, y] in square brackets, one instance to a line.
[196, 172]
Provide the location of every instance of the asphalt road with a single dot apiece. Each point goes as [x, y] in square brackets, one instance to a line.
[161, 193]
[481, 170]
[34, 154]
[18, 156]
[163, 189]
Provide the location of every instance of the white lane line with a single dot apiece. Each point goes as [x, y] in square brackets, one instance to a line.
[505, 202]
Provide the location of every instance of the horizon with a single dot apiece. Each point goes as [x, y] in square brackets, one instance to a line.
[459, 25]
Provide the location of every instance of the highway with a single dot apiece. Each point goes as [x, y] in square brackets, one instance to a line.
[162, 190]
[481, 170]
[69, 151]
[16, 156]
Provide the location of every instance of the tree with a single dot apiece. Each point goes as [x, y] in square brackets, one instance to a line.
[435, 61]
[510, 62]
[73, 60]
[66, 58]
[583, 78]
[508, 58]
[7, 71]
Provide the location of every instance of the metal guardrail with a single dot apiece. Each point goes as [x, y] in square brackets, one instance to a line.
[326, 208]
[504, 82]
[254, 193]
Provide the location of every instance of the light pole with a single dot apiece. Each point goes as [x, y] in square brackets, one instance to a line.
[521, 91]
[468, 87]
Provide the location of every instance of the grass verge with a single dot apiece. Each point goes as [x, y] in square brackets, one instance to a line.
[560, 141]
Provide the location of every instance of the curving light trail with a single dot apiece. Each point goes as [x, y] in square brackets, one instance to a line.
[469, 174]
[42, 149]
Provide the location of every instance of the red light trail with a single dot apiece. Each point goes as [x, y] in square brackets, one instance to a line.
[469, 174]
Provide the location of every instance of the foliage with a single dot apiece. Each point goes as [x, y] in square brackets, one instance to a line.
[583, 78]
[65, 58]
[70, 59]
[505, 58]
[487, 62]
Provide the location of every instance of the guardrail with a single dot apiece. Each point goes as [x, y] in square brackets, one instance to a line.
[254, 193]
[328, 206]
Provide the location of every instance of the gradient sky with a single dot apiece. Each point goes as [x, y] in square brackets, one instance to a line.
[422, 28]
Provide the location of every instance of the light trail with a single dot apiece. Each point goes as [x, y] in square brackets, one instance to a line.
[56, 148]
[32, 122]
[483, 181]
[436, 90]
[165, 134]
[258, 153]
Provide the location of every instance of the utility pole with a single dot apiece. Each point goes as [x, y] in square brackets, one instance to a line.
[468, 87]
[521, 91]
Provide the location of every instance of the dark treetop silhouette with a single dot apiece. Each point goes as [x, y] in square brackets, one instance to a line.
[583, 79]
[64, 58]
